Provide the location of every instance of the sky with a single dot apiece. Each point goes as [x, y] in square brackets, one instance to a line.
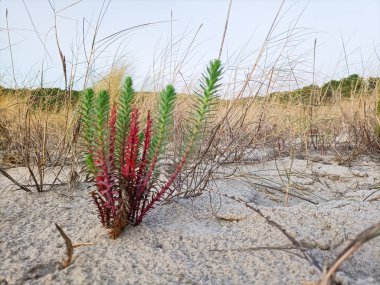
[183, 36]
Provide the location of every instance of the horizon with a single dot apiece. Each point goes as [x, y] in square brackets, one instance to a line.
[320, 86]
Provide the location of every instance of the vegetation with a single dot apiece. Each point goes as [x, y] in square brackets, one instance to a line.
[126, 160]
[345, 87]
[44, 98]
[53, 98]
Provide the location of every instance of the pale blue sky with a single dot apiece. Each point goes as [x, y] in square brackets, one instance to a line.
[356, 22]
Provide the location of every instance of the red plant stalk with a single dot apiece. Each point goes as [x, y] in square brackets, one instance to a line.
[130, 154]
[143, 188]
[105, 179]
[142, 168]
[145, 183]
[104, 217]
[105, 182]
[158, 196]
[144, 157]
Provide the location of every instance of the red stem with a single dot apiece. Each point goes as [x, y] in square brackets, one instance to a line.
[159, 195]
[139, 189]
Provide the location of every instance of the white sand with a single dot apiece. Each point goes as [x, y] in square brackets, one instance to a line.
[185, 243]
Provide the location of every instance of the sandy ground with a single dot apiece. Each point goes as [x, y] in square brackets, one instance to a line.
[210, 239]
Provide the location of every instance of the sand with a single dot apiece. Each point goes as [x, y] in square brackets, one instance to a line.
[210, 239]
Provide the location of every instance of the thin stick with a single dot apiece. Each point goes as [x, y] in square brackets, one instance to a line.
[2, 171]
[314, 50]
[35, 30]
[345, 54]
[225, 29]
[361, 239]
[171, 42]
[10, 49]
[83, 244]
[61, 55]
[271, 222]
[69, 247]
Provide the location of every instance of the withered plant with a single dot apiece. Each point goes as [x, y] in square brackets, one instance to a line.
[127, 161]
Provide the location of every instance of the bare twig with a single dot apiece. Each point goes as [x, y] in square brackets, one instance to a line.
[10, 48]
[271, 222]
[2, 171]
[35, 30]
[225, 30]
[345, 53]
[69, 247]
[361, 239]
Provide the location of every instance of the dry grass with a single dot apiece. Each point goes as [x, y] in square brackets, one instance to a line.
[345, 126]
[269, 117]
[35, 137]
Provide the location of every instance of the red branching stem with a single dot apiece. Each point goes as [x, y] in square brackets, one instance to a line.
[142, 167]
[145, 183]
[102, 211]
[105, 183]
[164, 189]
[143, 186]
[131, 152]
[144, 157]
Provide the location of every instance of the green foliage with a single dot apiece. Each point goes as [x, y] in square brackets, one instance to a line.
[122, 122]
[45, 98]
[124, 160]
[164, 120]
[303, 94]
[207, 96]
[53, 98]
[87, 119]
[346, 87]
[330, 88]
[101, 109]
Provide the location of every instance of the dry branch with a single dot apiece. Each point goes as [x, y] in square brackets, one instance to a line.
[69, 247]
[361, 239]
[2, 171]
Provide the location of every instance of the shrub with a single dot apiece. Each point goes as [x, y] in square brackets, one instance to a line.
[52, 98]
[347, 86]
[125, 160]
